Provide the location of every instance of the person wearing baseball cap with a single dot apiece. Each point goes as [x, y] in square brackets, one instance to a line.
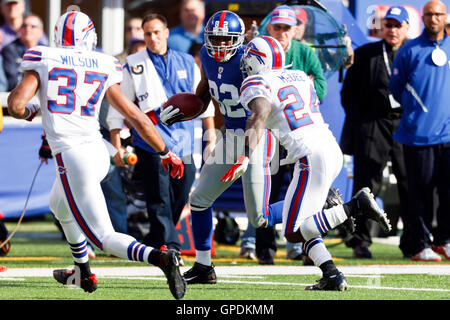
[395, 25]
[366, 99]
[397, 13]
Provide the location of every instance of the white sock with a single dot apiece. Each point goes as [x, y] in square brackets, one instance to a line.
[317, 251]
[322, 222]
[124, 246]
[203, 257]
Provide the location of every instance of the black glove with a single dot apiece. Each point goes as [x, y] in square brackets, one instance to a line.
[45, 151]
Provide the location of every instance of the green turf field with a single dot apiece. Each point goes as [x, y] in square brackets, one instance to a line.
[38, 245]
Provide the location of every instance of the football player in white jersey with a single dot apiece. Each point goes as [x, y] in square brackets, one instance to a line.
[71, 81]
[285, 101]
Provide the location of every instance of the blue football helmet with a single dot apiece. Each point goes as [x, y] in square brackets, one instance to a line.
[224, 34]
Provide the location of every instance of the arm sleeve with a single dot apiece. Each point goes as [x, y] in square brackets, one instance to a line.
[10, 66]
[115, 119]
[253, 87]
[399, 76]
[116, 73]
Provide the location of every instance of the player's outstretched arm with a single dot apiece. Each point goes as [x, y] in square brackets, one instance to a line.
[138, 120]
[256, 122]
[19, 97]
[254, 129]
[135, 117]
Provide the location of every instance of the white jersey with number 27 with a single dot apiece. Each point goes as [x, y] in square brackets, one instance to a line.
[295, 117]
[73, 83]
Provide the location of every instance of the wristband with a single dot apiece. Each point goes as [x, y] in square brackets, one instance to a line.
[164, 152]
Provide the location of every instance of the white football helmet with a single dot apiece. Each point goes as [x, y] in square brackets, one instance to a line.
[261, 55]
[75, 29]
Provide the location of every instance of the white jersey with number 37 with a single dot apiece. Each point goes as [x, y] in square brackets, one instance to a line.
[295, 117]
[73, 83]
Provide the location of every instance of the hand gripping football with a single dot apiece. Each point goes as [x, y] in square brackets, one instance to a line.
[188, 103]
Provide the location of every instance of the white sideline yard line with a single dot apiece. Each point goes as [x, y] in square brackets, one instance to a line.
[243, 270]
[251, 272]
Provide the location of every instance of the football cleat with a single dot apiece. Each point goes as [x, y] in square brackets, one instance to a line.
[169, 264]
[363, 203]
[335, 282]
[68, 277]
[444, 250]
[200, 273]
[426, 254]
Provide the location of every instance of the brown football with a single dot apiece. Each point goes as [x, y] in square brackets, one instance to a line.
[188, 103]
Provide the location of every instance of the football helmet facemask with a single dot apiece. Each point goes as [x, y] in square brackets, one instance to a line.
[261, 55]
[75, 29]
[224, 34]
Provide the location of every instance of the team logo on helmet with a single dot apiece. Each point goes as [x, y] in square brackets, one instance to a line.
[75, 29]
[261, 55]
[252, 51]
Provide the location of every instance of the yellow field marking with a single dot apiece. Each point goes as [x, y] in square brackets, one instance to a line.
[30, 258]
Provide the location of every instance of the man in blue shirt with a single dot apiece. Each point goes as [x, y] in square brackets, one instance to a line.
[421, 81]
[151, 76]
[190, 31]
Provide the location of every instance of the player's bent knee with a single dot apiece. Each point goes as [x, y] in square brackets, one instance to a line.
[295, 237]
[197, 204]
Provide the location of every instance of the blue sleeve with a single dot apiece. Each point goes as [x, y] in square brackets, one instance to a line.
[10, 66]
[3, 79]
[399, 77]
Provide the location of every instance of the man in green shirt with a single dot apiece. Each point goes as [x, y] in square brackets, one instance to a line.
[299, 56]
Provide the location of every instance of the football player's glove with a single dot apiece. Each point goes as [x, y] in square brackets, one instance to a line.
[45, 152]
[169, 115]
[173, 164]
[236, 170]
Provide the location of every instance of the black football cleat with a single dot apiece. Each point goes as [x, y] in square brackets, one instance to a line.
[200, 273]
[68, 277]
[363, 203]
[335, 282]
[169, 264]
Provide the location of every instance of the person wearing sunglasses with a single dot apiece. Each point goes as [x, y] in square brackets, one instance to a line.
[421, 82]
[372, 116]
[30, 33]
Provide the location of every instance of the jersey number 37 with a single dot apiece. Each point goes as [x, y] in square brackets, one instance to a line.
[92, 84]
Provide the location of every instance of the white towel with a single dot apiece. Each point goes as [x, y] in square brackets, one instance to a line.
[150, 93]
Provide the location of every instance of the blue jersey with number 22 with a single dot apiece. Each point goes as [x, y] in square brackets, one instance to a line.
[225, 80]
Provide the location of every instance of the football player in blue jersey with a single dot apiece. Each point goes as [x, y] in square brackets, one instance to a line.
[221, 80]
